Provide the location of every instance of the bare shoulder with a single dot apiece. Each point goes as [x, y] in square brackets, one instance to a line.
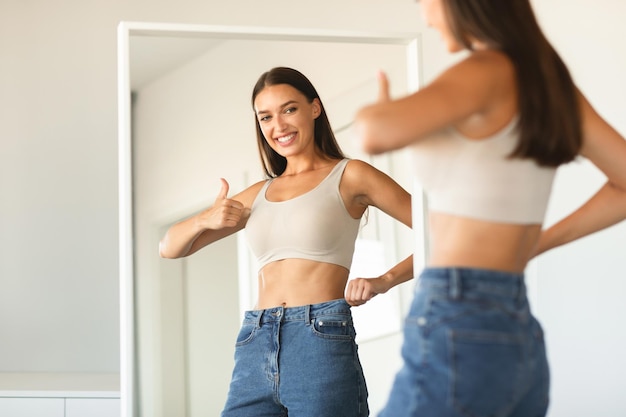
[247, 196]
[363, 178]
[485, 67]
[481, 83]
[358, 172]
[356, 166]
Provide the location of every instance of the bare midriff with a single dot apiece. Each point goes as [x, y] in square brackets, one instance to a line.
[298, 282]
[463, 242]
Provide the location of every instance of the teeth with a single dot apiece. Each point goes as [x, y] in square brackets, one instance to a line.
[285, 138]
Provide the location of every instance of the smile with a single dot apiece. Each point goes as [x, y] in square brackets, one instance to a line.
[285, 139]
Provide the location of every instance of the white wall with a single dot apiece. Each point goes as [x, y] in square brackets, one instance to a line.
[581, 287]
[58, 179]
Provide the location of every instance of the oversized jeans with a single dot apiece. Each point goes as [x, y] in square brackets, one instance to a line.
[471, 348]
[297, 362]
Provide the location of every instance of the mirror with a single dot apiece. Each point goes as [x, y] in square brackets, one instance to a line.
[185, 120]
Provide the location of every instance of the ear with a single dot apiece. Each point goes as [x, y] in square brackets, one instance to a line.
[317, 108]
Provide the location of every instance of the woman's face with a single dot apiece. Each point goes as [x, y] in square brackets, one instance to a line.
[434, 15]
[286, 118]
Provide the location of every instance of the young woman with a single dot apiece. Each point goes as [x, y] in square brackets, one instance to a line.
[487, 136]
[296, 353]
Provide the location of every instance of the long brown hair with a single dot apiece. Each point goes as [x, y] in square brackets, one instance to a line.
[549, 111]
[324, 138]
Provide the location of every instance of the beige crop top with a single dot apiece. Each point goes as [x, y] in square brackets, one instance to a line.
[475, 178]
[315, 225]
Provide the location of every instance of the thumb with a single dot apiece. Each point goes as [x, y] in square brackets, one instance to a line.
[383, 87]
[223, 191]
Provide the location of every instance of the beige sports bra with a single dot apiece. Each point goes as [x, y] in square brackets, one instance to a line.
[475, 178]
[315, 225]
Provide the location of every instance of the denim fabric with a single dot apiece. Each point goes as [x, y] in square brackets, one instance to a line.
[297, 362]
[471, 348]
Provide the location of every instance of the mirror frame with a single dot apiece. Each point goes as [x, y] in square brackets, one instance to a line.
[125, 180]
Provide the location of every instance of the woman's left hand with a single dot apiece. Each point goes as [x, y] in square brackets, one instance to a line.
[361, 290]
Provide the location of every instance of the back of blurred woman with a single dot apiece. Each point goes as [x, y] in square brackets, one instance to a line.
[487, 136]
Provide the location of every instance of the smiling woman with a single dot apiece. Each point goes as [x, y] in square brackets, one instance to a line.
[191, 125]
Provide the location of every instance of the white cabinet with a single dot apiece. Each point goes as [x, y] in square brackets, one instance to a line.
[32, 407]
[59, 395]
[59, 407]
[92, 407]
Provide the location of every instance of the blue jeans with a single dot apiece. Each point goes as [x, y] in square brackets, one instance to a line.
[297, 362]
[471, 348]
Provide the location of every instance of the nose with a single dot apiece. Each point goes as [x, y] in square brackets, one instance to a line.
[279, 123]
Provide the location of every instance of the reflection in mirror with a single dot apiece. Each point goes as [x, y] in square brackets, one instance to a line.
[192, 123]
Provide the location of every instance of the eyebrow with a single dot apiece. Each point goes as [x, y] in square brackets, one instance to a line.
[281, 106]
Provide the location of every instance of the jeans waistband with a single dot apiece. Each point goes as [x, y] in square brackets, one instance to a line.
[460, 281]
[300, 313]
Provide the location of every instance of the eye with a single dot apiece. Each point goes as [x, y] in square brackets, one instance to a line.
[264, 118]
[291, 110]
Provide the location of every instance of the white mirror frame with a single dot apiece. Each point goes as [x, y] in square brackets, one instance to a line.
[126, 261]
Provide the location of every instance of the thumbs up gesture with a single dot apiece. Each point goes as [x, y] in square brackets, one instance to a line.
[371, 127]
[383, 87]
[225, 212]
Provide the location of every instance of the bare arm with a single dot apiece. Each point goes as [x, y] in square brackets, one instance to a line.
[361, 290]
[225, 217]
[477, 86]
[371, 187]
[606, 148]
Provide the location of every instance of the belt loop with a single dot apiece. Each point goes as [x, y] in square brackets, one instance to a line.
[259, 318]
[455, 284]
[307, 314]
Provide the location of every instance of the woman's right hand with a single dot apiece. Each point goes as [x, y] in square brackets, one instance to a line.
[224, 213]
[226, 216]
